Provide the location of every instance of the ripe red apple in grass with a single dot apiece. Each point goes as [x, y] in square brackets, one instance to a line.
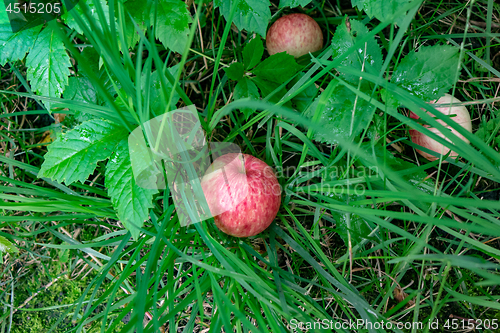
[458, 113]
[243, 194]
[295, 34]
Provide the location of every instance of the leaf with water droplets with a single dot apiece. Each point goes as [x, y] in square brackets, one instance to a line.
[172, 27]
[48, 65]
[343, 116]
[131, 202]
[428, 73]
[367, 58]
[74, 155]
[251, 15]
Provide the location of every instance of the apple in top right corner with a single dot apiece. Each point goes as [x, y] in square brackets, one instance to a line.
[458, 113]
[296, 34]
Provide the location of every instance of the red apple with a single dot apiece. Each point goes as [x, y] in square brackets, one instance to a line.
[295, 34]
[459, 114]
[243, 194]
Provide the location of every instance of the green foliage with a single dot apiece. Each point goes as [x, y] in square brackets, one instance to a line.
[173, 21]
[253, 52]
[245, 88]
[278, 68]
[428, 73]
[425, 221]
[344, 116]
[235, 71]
[368, 58]
[14, 46]
[48, 65]
[350, 227]
[250, 15]
[132, 202]
[80, 88]
[294, 3]
[380, 9]
[74, 155]
[269, 74]
[69, 19]
[6, 246]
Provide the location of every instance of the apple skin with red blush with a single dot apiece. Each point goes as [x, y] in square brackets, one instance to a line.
[459, 114]
[296, 34]
[243, 194]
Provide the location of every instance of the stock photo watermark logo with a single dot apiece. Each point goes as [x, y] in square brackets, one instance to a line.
[172, 150]
[337, 180]
[27, 14]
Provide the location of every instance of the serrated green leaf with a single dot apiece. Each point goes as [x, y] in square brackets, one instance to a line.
[48, 65]
[74, 155]
[252, 53]
[277, 68]
[294, 3]
[251, 15]
[428, 73]
[6, 246]
[235, 71]
[340, 115]
[13, 46]
[380, 9]
[368, 57]
[246, 88]
[131, 202]
[172, 28]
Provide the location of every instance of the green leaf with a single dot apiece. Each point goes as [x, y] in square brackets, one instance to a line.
[136, 9]
[13, 46]
[368, 57]
[251, 15]
[7, 246]
[76, 10]
[380, 9]
[157, 103]
[294, 3]
[74, 155]
[417, 178]
[267, 87]
[131, 202]
[277, 68]
[252, 53]
[359, 228]
[48, 65]
[80, 89]
[246, 88]
[302, 101]
[172, 25]
[428, 73]
[339, 115]
[235, 71]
